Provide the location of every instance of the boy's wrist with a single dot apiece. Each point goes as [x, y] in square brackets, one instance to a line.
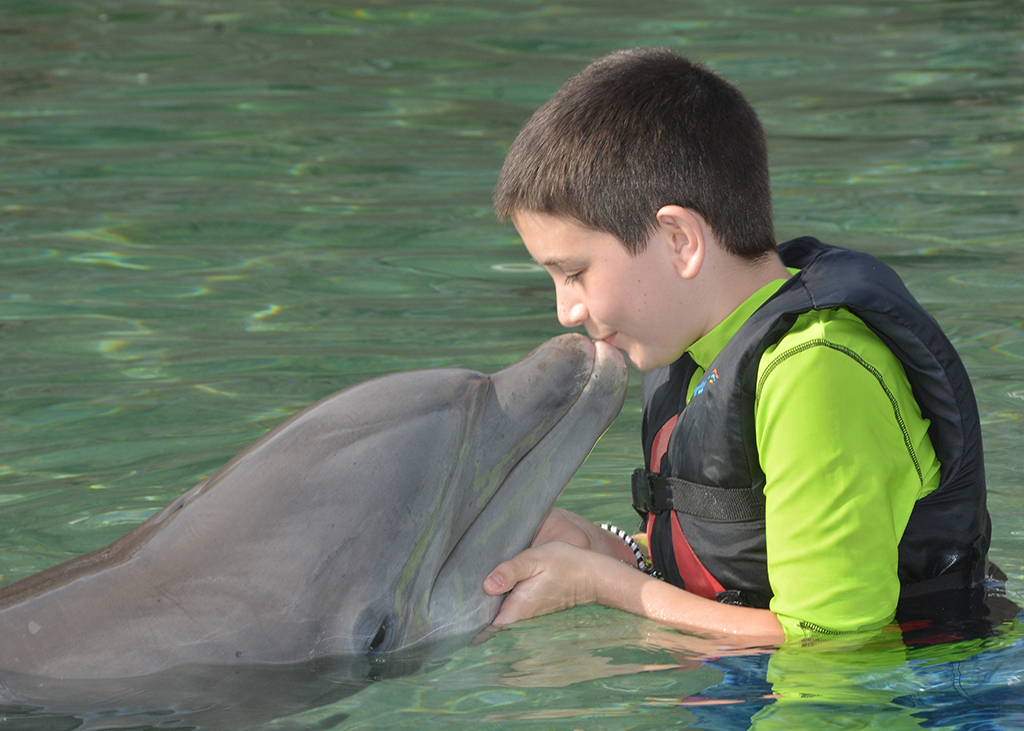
[626, 548]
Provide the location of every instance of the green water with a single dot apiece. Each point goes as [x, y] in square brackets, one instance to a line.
[214, 213]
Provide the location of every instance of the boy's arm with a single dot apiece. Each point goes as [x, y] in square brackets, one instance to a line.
[846, 455]
[554, 576]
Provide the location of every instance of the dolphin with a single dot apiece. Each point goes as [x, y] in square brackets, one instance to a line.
[361, 526]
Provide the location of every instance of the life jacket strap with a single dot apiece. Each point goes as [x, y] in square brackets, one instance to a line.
[653, 493]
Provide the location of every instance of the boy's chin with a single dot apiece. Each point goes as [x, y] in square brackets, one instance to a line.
[643, 361]
[639, 361]
[640, 357]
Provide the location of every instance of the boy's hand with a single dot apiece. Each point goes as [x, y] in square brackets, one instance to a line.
[543, 579]
[565, 526]
[568, 527]
[555, 576]
[562, 569]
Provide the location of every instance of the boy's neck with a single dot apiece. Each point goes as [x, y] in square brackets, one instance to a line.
[712, 281]
[731, 280]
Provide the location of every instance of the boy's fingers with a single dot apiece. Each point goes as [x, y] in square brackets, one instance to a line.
[562, 525]
[496, 582]
[506, 575]
[501, 581]
[509, 613]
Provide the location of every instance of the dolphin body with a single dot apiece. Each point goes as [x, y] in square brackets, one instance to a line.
[363, 525]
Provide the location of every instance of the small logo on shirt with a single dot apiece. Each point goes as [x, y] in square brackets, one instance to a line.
[705, 382]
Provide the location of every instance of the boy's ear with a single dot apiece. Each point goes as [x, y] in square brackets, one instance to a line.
[684, 232]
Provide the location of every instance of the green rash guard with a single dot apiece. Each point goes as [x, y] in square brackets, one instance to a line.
[845, 453]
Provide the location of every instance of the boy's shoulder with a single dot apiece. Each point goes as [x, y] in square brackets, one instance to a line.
[834, 327]
[829, 375]
[817, 340]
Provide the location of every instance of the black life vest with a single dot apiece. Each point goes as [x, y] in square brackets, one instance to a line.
[701, 494]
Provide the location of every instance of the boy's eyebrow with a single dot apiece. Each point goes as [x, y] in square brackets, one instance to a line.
[556, 262]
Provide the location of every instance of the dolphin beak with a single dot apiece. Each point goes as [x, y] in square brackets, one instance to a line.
[546, 382]
[549, 409]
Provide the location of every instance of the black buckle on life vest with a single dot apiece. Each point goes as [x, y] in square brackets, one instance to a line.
[644, 501]
[655, 494]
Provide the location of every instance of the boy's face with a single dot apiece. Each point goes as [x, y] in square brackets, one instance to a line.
[626, 301]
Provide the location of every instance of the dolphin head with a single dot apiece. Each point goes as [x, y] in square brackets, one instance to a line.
[363, 525]
[455, 477]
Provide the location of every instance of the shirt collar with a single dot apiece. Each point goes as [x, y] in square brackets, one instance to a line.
[708, 347]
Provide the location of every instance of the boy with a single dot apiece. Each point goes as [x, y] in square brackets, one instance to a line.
[812, 444]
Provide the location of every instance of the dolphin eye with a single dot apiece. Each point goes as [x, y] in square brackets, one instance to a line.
[378, 639]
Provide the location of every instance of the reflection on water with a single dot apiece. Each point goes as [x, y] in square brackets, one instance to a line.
[212, 214]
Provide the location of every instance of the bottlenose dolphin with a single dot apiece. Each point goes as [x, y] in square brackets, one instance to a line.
[363, 525]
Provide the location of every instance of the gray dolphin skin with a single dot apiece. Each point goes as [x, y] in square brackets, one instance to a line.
[363, 525]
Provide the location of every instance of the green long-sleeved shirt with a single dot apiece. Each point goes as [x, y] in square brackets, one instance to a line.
[846, 454]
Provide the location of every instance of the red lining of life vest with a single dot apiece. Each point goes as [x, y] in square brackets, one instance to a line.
[698, 580]
[660, 444]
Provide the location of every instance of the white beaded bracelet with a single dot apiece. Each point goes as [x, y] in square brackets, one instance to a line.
[641, 562]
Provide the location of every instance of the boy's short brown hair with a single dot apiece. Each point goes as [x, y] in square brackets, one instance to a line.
[638, 130]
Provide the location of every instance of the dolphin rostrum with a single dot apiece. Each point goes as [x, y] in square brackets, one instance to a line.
[364, 524]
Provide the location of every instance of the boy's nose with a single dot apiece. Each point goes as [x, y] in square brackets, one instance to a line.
[572, 314]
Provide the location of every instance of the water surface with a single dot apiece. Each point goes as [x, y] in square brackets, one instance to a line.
[214, 213]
